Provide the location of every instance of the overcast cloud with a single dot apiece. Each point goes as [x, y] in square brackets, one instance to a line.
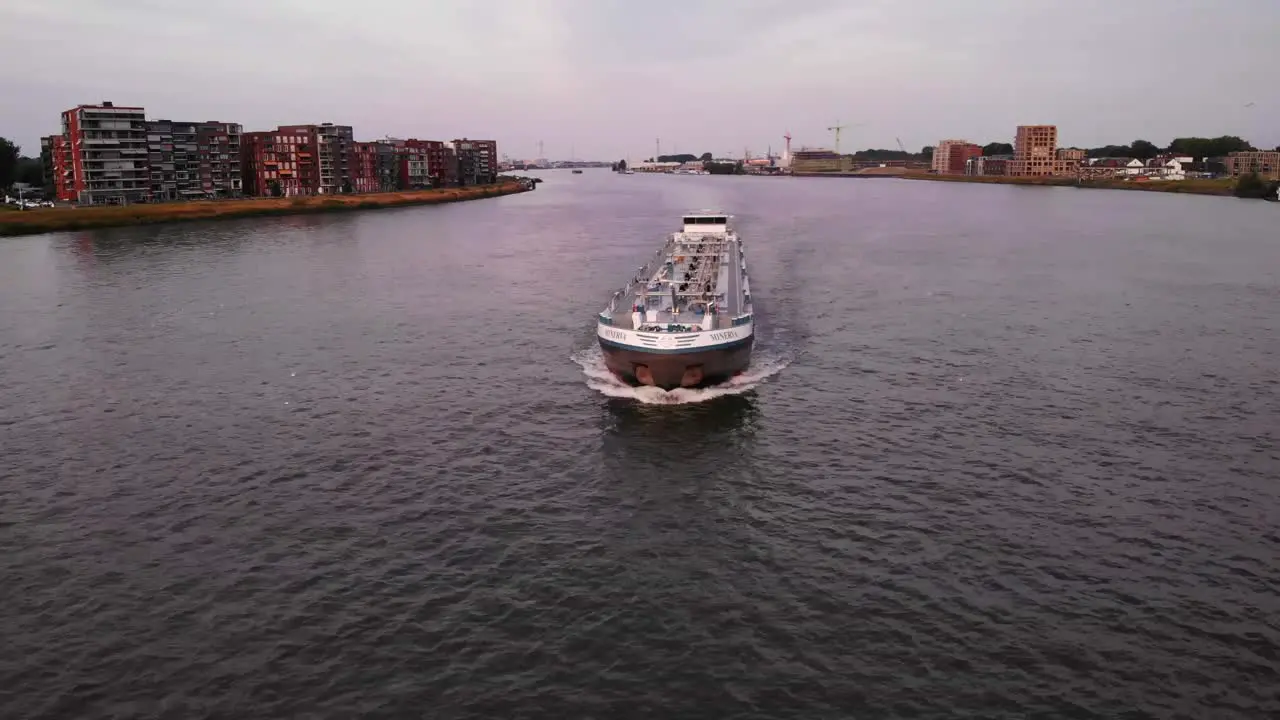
[607, 77]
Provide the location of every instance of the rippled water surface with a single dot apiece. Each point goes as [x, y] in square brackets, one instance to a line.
[1004, 453]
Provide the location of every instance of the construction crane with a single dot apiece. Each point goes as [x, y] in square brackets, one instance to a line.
[837, 128]
[900, 147]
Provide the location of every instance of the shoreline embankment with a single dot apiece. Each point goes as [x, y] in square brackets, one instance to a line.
[1216, 186]
[33, 222]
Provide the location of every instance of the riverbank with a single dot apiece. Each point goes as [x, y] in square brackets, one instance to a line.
[32, 222]
[1217, 186]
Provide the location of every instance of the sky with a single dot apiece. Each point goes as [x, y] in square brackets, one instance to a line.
[605, 79]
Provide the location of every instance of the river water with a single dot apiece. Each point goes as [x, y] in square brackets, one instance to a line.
[1004, 453]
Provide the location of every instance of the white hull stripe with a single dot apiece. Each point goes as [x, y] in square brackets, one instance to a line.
[673, 342]
[655, 351]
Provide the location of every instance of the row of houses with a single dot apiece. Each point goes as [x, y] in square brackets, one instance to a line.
[108, 154]
[1161, 167]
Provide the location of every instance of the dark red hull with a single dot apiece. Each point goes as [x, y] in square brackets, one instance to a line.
[668, 371]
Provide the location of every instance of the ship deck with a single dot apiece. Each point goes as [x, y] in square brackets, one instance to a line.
[695, 282]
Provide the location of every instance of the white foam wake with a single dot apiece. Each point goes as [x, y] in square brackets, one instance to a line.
[602, 381]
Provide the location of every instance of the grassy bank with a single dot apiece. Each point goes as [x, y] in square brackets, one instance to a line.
[62, 219]
[1219, 186]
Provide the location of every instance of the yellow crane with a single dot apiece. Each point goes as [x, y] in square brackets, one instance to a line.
[837, 128]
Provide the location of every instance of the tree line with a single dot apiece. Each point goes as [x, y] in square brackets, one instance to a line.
[1196, 147]
[15, 168]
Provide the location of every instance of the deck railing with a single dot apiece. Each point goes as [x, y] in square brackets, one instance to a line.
[617, 315]
[642, 276]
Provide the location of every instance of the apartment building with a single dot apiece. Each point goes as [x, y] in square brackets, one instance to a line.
[1034, 147]
[334, 154]
[476, 161]
[1035, 153]
[174, 159]
[219, 162]
[281, 162]
[989, 165]
[958, 157]
[388, 165]
[106, 156]
[1265, 163]
[424, 164]
[55, 157]
[110, 154]
[1071, 154]
[950, 156]
[364, 167]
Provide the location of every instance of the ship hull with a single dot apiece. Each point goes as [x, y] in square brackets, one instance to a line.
[671, 370]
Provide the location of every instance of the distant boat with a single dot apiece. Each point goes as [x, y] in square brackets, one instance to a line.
[577, 172]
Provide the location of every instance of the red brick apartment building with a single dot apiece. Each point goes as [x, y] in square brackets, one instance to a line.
[59, 171]
[308, 160]
[960, 157]
[424, 164]
[284, 158]
[364, 167]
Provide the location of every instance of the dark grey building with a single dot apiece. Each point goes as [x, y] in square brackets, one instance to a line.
[174, 157]
[388, 165]
[219, 146]
[476, 161]
[334, 157]
[193, 160]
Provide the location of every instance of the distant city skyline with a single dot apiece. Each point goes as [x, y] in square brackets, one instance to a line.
[600, 80]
